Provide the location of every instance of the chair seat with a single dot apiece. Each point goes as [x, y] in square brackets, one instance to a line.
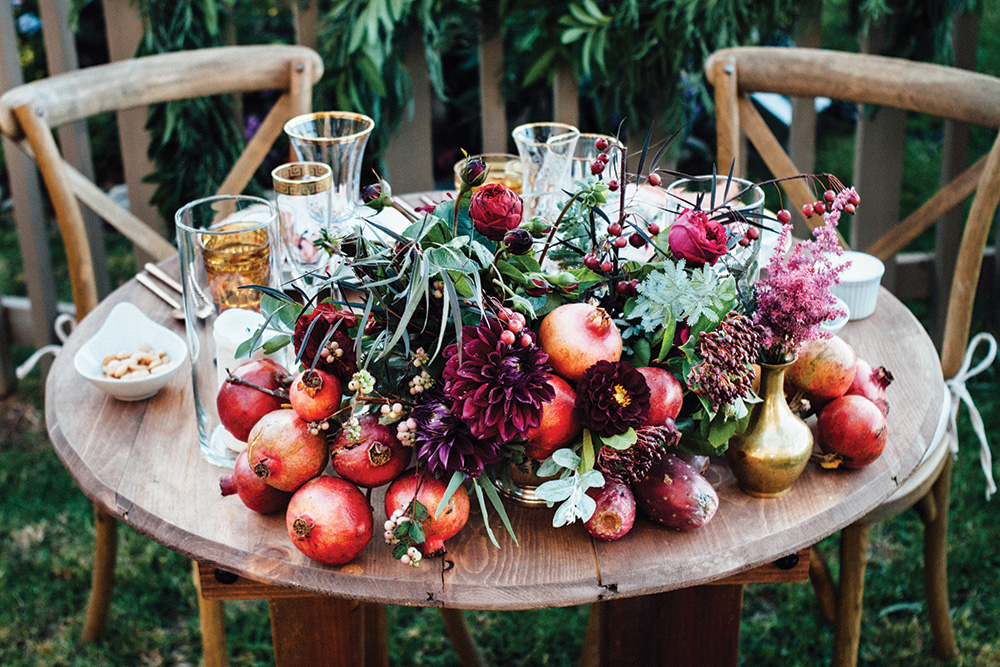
[919, 483]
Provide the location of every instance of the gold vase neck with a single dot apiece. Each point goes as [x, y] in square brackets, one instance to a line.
[772, 378]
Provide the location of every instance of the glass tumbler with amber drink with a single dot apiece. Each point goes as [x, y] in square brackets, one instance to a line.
[227, 244]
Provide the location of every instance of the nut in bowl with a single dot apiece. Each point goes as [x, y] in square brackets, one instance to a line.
[131, 357]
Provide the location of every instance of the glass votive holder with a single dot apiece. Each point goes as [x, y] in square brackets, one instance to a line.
[502, 168]
[227, 245]
[546, 152]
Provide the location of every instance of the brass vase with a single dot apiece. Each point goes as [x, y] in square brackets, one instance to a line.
[772, 453]
[522, 485]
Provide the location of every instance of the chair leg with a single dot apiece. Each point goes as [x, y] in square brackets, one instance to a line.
[465, 646]
[212, 619]
[936, 568]
[103, 575]
[847, 631]
[823, 586]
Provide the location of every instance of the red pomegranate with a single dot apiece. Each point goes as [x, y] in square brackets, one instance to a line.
[559, 426]
[329, 520]
[666, 395]
[315, 395]
[283, 452]
[252, 490]
[429, 491]
[241, 406]
[824, 368]
[374, 458]
[615, 511]
[578, 335]
[853, 428]
[871, 383]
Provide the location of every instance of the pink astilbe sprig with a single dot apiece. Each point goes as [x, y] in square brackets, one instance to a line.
[794, 296]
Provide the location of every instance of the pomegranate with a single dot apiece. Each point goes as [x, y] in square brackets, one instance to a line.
[329, 520]
[871, 383]
[853, 428]
[252, 490]
[429, 491]
[240, 406]
[824, 368]
[560, 425]
[284, 452]
[666, 395]
[674, 494]
[374, 458]
[615, 511]
[315, 395]
[578, 335]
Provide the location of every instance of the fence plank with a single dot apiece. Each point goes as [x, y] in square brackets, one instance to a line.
[124, 29]
[74, 139]
[802, 131]
[409, 156]
[954, 159]
[28, 207]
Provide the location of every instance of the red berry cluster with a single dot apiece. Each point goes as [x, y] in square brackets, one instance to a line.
[819, 207]
[514, 332]
[752, 234]
[597, 166]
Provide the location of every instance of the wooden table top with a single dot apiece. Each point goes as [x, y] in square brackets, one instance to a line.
[140, 462]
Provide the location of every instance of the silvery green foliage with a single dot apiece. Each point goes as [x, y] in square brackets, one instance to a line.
[570, 488]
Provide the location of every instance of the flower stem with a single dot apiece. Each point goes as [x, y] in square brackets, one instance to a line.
[555, 225]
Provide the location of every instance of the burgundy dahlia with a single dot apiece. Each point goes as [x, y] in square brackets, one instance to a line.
[496, 388]
[612, 397]
[341, 360]
[444, 442]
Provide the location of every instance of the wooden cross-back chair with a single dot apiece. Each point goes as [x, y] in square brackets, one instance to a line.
[30, 112]
[944, 92]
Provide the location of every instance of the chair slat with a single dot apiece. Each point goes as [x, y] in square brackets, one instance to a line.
[945, 200]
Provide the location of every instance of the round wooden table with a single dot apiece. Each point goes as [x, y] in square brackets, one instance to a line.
[140, 462]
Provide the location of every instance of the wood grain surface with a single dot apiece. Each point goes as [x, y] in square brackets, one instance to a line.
[140, 462]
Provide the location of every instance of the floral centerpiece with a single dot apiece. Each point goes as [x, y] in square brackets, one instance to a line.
[585, 349]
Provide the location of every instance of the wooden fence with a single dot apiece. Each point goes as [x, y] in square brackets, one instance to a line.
[29, 320]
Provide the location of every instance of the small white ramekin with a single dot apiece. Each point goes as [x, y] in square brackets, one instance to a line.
[859, 283]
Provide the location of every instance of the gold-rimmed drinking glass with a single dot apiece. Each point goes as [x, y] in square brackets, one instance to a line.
[337, 139]
[302, 195]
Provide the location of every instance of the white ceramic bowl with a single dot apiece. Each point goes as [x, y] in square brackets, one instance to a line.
[125, 329]
[859, 283]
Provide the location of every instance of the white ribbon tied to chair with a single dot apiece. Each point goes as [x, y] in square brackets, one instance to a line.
[959, 391]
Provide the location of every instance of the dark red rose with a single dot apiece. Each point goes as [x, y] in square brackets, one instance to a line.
[342, 362]
[495, 209]
[696, 239]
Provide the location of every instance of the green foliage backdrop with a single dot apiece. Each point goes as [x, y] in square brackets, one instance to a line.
[638, 61]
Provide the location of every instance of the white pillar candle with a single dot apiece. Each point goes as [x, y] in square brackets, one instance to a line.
[231, 328]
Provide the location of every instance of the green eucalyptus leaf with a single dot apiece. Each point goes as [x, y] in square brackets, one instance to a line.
[621, 441]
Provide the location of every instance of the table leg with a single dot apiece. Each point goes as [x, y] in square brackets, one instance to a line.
[322, 631]
[694, 626]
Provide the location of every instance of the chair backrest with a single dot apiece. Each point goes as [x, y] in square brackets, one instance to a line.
[30, 112]
[936, 90]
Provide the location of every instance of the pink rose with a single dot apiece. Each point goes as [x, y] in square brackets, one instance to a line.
[495, 209]
[696, 239]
